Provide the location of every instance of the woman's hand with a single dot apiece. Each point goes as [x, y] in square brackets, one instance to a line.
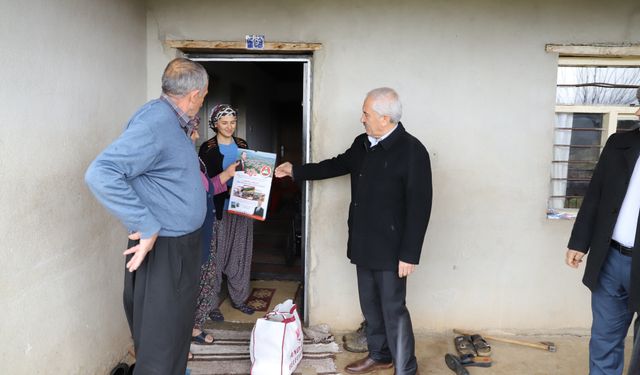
[228, 173]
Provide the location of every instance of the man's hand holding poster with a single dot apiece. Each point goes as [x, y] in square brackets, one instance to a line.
[252, 184]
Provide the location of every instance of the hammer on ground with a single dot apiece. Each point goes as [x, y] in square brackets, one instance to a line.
[543, 345]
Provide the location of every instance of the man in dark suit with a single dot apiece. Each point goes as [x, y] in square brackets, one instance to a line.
[242, 162]
[259, 210]
[607, 228]
[388, 216]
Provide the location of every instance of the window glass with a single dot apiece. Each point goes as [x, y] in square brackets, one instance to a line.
[576, 150]
[597, 85]
[583, 155]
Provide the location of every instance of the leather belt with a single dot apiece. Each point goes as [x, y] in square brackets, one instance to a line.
[628, 251]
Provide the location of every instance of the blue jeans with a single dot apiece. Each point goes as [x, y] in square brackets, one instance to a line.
[611, 316]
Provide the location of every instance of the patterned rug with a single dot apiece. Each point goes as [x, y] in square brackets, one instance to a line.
[260, 298]
[229, 354]
[283, 290]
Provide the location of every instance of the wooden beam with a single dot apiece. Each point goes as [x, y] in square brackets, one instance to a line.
[239, 46]
[599, 61]
[610, 50]
[595, 109]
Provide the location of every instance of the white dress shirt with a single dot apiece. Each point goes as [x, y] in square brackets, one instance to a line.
[625, 229]
[374, 141]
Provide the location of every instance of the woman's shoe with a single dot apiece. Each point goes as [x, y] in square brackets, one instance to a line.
[201, 339]
[244, 308]
[216, 315]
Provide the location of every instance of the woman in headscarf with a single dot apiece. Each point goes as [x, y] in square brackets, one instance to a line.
[232, 244]
[213, 186]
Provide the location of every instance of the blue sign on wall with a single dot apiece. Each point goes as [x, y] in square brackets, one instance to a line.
[254, 41]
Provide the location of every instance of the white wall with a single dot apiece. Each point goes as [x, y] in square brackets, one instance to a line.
[71, 74]
[478, 89]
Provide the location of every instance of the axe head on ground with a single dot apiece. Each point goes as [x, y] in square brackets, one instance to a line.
[550, 346]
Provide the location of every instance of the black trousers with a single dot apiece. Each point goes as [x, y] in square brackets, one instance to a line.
[389, 331]
[159, 302]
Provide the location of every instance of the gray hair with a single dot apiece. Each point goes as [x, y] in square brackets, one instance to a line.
[386, 102]
[181, 76]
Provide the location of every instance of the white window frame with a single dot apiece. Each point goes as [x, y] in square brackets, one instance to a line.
[611, 114]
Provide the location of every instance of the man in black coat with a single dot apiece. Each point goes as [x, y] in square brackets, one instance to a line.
[388, 216]
[607, 228]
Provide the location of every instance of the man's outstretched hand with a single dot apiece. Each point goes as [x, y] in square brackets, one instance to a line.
[284, 170]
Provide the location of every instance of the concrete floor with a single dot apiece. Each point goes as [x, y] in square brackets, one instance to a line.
[571, 357]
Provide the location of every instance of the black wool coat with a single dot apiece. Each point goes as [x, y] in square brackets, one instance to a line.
[390, 197]
[598, 214]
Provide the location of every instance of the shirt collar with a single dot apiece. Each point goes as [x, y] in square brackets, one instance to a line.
[186, 123]
[375, 141]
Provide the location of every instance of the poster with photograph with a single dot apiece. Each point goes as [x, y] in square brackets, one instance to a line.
[252, 183]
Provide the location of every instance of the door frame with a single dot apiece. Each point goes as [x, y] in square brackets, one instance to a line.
[307, 61]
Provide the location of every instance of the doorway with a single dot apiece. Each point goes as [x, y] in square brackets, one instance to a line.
[272, 95]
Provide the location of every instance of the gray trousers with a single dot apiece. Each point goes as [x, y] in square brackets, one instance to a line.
[389, 331]
[159, 302]
[232, 247]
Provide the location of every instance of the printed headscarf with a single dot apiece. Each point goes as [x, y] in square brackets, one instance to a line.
[219, 111]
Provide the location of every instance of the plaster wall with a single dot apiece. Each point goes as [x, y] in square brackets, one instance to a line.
[72, 73]
[478, 90]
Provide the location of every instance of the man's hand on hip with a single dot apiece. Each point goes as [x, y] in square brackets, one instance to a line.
[405, 269]
[140, 250]
[573, 258]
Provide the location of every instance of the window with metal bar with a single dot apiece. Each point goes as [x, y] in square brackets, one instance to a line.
[595, 97]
